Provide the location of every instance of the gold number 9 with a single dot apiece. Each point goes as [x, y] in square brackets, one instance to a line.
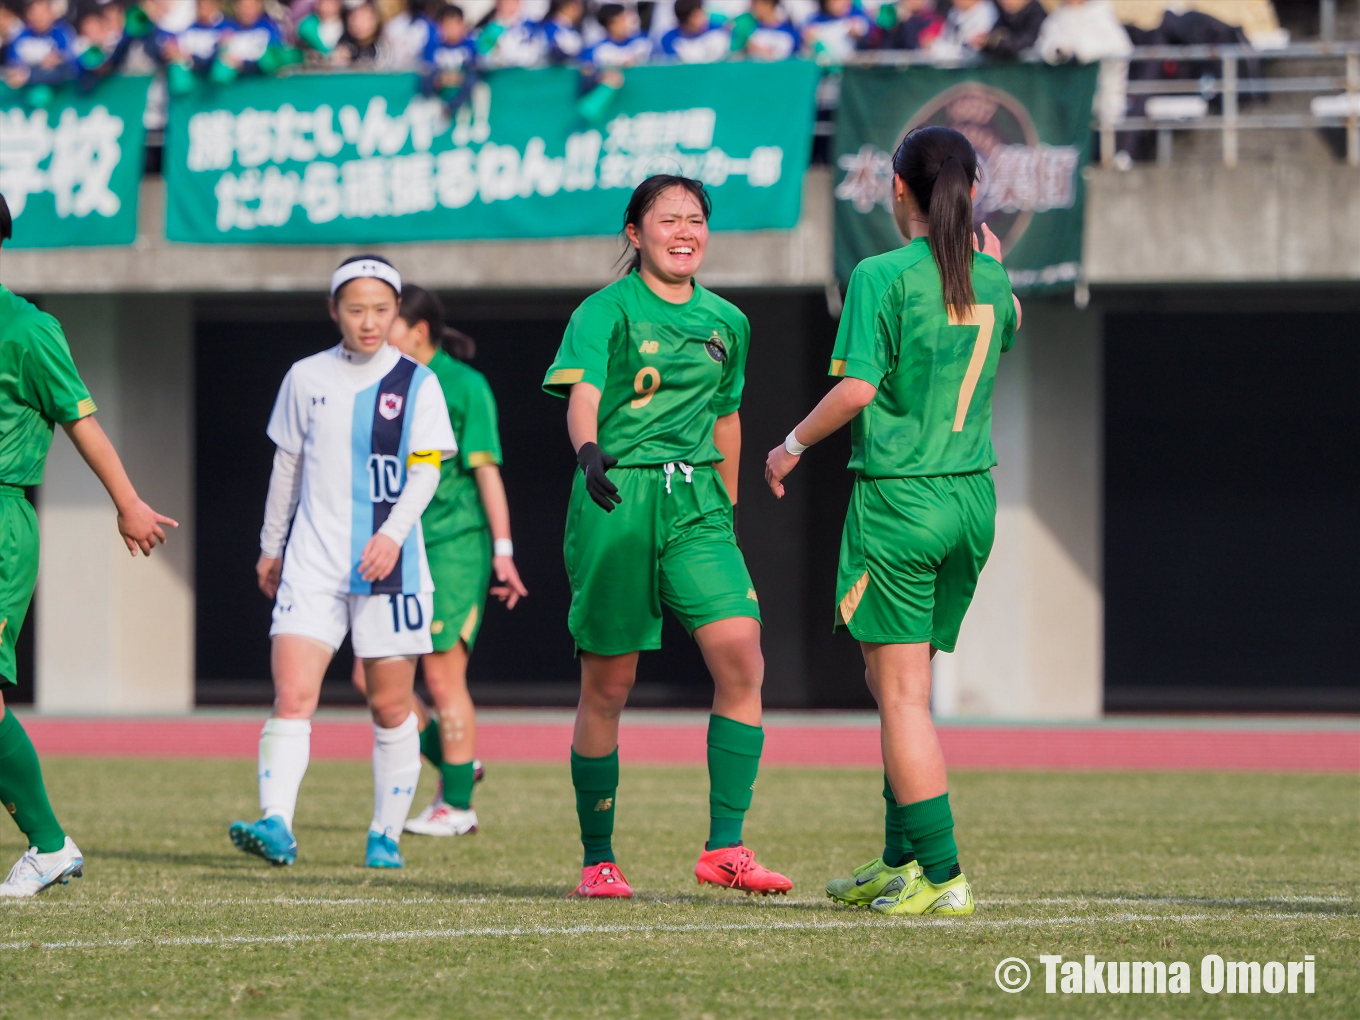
[645, 384]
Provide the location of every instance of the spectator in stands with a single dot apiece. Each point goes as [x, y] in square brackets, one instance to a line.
[506, 38]
[319, 33]
[408, 33]
[966, 27]
[623, 45]
[1087, 30]
[698, 36]
[450, 56]
[196, 47]
[916, 27]
[99, 28]
[560, 31]
[1017, 28]
[10, 26]
[362, 44]
[765, 32]
[251, 44]
[44, 51]
[837, 29]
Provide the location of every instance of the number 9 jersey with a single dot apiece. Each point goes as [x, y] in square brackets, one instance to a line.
[356, 425]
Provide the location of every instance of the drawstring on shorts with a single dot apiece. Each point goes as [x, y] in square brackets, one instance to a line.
[685, 469]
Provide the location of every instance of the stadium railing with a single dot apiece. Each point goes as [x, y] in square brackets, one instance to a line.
[1335, 100]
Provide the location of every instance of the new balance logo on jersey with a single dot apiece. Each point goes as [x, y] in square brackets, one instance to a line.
[318, 400]
[389, 405]
[650, 347]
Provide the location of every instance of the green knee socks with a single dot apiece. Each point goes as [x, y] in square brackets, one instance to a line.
[896, 847]
[457, 779]
[733, 759]
[597, 783]
[22, 790]
[929, 825]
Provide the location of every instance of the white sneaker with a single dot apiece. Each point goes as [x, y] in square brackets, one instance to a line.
[35, 872]
[440, 819]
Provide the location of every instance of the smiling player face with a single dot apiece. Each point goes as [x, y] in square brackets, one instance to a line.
[673, 236]
[364, 310]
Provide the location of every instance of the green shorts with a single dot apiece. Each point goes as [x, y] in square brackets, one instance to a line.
[18, 572]
[911, 554]
[669, 542]
[461, 567]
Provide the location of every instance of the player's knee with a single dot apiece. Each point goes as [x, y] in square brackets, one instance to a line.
[607, 694]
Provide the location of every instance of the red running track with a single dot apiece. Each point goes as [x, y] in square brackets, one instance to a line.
[991, 747]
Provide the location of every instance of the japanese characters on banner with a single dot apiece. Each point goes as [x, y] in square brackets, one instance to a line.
[355, 158]
[1031, 126]
[69, 168]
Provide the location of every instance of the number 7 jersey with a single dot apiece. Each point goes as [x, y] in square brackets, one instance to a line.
[934, 372]
[356, 425]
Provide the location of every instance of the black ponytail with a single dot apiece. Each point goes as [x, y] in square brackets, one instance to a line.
[939, 167]
[645, 196]
[419, 305]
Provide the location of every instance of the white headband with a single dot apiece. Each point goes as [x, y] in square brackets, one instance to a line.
[370, 268]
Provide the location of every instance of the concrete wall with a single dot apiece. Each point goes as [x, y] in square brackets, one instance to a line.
[1031, 644]
[115, 634]
[1191, 223]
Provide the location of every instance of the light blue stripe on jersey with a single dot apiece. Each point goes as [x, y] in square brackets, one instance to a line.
[361, 526]
[410, 549]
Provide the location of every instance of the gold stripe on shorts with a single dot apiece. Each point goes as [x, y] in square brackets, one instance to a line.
[469, 625]
[851, 601]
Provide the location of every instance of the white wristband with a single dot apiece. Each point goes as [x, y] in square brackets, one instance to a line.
[503, 547]
[793, 445]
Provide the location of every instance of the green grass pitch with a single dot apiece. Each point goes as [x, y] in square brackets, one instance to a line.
[171, 921]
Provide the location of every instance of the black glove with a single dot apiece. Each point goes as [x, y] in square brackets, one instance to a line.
[595, 462]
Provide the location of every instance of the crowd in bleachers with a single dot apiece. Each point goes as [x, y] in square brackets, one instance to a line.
[50, 41]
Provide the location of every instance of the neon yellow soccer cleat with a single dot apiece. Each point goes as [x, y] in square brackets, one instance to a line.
[867, 882]
[923, 896]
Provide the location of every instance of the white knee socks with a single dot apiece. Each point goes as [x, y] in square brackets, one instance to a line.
[285, 746]
[396, 770]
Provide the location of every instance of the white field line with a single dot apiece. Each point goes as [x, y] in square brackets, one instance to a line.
[621, 929]
[773, 902]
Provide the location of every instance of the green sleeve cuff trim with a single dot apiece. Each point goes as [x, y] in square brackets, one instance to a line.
[722, 409]
[737, 738]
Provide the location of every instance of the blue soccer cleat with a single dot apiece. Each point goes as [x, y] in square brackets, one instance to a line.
[268, 838]
[382, 852]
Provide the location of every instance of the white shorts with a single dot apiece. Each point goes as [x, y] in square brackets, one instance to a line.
[380, 626]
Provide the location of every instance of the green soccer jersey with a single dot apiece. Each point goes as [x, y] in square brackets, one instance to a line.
[39, 386]
[933, 411]
[457, 504]
[665, 372]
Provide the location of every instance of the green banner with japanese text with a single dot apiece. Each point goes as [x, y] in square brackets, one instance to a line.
[360, 158]
[1031, 126]
[71, 161]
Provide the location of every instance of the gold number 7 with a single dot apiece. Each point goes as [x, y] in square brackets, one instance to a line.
[984, 318]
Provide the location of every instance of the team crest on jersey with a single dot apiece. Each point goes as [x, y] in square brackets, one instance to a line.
[389, 405]
[717, 350]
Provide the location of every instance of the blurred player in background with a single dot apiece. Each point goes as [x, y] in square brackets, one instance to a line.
[654, 366]
[39, 386]
[917, 351]
[467, 538]
[360, 431]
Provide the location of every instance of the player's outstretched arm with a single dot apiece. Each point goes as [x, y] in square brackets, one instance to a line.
[140, 526]
[835, 410]
[492, 491]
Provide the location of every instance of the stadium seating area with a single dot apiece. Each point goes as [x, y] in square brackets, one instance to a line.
[52, 41]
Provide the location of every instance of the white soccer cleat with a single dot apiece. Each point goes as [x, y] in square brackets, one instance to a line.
[34, 872]
[440, 819]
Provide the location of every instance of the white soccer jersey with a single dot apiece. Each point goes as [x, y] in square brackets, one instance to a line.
[355, 424]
